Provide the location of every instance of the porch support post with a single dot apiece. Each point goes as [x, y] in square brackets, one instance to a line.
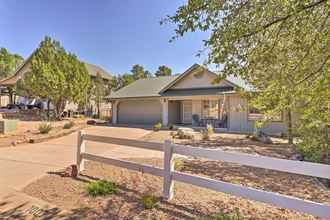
[114, 112]
[164, 112]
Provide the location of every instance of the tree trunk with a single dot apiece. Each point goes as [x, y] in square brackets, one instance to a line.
[58, 107]
[11, 95]
[290, 135]
[48, 109]
[98, 110]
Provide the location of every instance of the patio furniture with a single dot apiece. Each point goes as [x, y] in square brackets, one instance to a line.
[196, 120]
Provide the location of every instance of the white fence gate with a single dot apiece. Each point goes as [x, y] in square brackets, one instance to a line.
[169, 174]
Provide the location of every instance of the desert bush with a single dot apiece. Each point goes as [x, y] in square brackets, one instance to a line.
[101, 188]
[314, 143]
[173, 134]
[44, 128]
[157, 126]
[178, 164]
[235, 216]
[206, 133]
[149, 201]
[68, 125]
[171, 126]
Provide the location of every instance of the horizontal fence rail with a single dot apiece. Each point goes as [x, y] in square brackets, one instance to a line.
[125, 142]
[170, 175]
[290, 166]
[284, 201]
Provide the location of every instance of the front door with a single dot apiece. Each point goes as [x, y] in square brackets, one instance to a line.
[187, 112]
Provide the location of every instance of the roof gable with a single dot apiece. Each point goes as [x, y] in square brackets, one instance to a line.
[197, 77]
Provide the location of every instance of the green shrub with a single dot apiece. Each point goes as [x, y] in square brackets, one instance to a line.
[101, 188]
[44, 128]
[314, 143]
[68, 125]
[206, 133]
[157, 126]
[173, 134]
[171, 126]
[178, 164]
[221, 216]
[149, 201]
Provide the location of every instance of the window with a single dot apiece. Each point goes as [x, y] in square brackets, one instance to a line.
[210, 109]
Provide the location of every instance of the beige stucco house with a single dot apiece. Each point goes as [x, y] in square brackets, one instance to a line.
[191, 98]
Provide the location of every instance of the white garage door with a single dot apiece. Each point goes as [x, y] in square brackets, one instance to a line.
[139, 112]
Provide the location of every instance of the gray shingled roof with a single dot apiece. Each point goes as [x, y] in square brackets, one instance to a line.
[148, 87]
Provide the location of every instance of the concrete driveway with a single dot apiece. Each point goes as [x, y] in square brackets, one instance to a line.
[23, 164]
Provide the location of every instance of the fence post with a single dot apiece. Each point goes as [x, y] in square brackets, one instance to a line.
[168, 169]
[80, 149]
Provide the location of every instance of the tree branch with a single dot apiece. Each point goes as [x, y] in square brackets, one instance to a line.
[280, 19]
[315, 72]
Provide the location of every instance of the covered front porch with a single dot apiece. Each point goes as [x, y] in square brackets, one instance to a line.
[196, 111]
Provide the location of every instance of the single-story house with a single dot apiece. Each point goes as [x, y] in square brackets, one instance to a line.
[191, 98]
[7, 95]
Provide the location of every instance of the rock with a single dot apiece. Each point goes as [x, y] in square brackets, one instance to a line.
[31, 140]
[297, 157]
[91, 122]
[265, 140]
[185, 133]
[262, 137]
[71, 171]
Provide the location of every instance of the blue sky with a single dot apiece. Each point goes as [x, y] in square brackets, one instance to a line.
[112, 34]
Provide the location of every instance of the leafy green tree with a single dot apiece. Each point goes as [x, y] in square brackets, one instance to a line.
[280, 47]
[147, 74]
[138, 72]
[57, 76]
[163, 71]
[125, 80]
[120, 81]
[8, 63]
[98, 92]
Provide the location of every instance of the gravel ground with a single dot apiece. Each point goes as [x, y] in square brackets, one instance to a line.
[189, 202]
[28, 130]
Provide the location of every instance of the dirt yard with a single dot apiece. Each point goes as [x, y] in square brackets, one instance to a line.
[27, 131]
[189, 202]
[230, 142]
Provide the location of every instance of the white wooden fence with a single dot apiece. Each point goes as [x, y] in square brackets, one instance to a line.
[169, 174]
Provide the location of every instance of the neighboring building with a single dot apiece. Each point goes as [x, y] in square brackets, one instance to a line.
[190, 98]
[11, 81]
